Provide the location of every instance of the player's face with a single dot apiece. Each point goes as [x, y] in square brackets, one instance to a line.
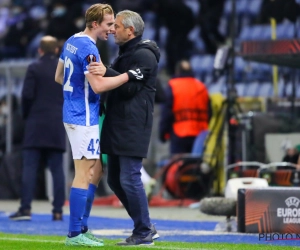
[105, 27]
[121, 33]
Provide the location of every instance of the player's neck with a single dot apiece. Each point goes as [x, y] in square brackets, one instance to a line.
[89, 33]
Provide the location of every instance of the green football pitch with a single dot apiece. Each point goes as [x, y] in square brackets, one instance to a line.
[32, 242]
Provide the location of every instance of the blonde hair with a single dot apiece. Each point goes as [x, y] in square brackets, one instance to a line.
[96, 13]
[48, 44]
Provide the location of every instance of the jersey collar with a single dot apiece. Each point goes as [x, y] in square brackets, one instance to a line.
[80, 34]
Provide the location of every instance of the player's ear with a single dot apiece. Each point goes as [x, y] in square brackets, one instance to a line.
[94, 24]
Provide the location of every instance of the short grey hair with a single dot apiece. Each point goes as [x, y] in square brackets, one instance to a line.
[131, 18]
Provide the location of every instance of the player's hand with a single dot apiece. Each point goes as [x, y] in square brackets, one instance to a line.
[141, 74]
[97, 68]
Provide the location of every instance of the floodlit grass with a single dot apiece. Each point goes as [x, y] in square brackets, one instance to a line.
[34, 242]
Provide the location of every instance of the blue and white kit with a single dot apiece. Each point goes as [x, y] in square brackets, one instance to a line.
[81, 104]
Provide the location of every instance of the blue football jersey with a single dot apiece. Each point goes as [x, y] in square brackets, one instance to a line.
[81, 104]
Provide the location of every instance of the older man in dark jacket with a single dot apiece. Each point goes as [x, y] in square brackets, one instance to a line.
[127, 126]
[44, 135]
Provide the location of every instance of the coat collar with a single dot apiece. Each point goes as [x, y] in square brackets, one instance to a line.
[129, 45]
[48, 55]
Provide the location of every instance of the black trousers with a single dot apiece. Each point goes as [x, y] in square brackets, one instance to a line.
[31, 163]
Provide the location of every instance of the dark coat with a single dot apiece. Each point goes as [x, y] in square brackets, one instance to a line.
[42, 101]
[127, 125]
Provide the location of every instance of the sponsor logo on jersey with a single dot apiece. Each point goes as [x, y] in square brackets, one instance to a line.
[91, 58]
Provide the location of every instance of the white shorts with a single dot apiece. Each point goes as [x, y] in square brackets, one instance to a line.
[84, 141]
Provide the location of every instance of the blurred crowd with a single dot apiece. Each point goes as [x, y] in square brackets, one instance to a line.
[191, 26]
[24, 22]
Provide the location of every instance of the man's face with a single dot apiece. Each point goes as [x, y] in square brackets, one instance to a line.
[105, 27]
[121, 34]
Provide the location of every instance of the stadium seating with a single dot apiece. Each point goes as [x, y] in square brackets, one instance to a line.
[253, 7]
[265, 89]
[285, 30]
[195, 37]
[288, 89]
[218, 87]
[149, 18]
[252, 89]
[2, 86]
[202, 65]
[297, 90]
[259, 72]
[240, 89]
[240, 66]
[149, 32]
[194, 5]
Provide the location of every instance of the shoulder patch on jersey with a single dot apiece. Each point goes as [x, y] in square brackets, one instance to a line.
[91, 58]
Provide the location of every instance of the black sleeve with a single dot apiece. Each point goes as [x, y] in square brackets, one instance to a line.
[127, 90]
[28, 91]
[144, 58]
[111, 72]
[141, 58]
